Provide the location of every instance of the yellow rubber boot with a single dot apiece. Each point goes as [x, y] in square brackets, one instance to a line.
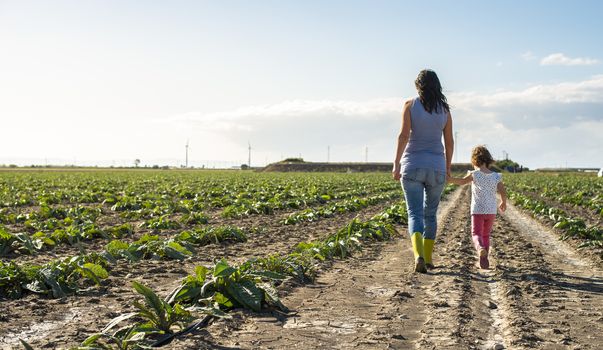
[417, 244]
[417, 248]
[427, 251]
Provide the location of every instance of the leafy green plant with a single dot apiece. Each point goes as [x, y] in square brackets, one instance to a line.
[126, 338]
[122, 250]
[205, 236]
[194, 218]
[122, 230]
[160, 316]
[161, 223]
[56, 278]
[228, 286]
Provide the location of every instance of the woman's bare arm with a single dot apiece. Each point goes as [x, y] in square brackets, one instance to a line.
[449, 144]
[403, 137]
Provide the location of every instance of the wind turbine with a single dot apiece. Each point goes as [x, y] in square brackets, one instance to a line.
[249, 157]
[186, 159]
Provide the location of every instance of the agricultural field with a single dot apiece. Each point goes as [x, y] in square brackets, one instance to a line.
[572, 203]
[235, 259]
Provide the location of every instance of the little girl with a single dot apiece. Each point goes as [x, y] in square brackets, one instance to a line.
[484, 185]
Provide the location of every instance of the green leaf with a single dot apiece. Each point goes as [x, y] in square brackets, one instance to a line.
[152, 300]
[222, 269]
[176, 251]
[91, 340]
[116, 246]
[36, 286]
[246, 293]
[26, 242]
[267, 274]
[184, 293]
[222, 300]
[213, 311]
[117, 320]
[25, 344]
[272, 296]
[98, 270]
[50, 280]
[201, 273]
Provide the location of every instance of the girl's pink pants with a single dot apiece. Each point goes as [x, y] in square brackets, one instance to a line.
[481, 225]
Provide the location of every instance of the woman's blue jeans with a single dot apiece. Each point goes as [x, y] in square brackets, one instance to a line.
[422, 190]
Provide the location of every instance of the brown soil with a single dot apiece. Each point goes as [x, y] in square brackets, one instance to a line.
[539, 293]
[37, 319]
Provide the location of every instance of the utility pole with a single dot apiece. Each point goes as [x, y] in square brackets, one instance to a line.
[249, 156]
[328, 154]
[186, 159]
[366, 154]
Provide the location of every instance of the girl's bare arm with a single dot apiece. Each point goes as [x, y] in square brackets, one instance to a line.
[461, 181]
[500, 188]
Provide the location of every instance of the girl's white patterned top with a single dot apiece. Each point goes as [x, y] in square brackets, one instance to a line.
[483, 192]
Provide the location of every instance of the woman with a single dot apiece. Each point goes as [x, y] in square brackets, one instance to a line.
[425, 164]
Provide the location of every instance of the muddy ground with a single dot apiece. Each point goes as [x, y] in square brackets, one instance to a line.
[539, 293]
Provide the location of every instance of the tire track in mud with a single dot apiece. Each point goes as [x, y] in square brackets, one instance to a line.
[84, 314]
[445, 289]
[461, 304]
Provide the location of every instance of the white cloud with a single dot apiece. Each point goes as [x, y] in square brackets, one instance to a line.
[559, 59]
[586, 91]
[528, 123]
[247, 118]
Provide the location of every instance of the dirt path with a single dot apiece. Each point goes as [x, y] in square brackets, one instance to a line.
[540, 293]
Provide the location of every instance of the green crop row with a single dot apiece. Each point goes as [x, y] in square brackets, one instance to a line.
[570, 226]
[16, 279]
[159, 192]
[344, 206]
[211, 292]
[578, 190]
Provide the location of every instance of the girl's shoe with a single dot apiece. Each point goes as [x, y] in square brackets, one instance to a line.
[420, 265]
[429, 266]
[483, 259]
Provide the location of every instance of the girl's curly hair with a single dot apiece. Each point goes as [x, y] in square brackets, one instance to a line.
[481, 156]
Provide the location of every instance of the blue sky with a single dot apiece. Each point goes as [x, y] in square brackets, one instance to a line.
[105, 82]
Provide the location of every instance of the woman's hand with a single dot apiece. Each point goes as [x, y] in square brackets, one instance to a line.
[396, 172]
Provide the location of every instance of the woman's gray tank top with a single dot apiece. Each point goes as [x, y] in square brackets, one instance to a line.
[425, 148]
